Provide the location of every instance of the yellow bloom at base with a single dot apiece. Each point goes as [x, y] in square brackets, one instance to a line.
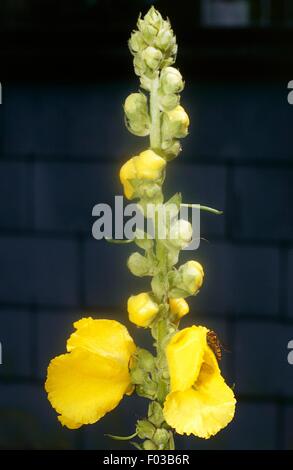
[91, 378]
[179, 307]
[142, 309]
[147, 166]
[199, 402]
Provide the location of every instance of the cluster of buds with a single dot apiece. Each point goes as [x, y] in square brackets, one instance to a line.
[153, 46]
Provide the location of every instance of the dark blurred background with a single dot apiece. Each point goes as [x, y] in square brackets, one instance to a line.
[65, 71]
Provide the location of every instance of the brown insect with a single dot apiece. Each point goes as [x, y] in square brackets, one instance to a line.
[215, 345]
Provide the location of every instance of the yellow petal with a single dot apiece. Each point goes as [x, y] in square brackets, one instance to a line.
[127, 173]
[107, 338]
[149, 165]
[206, 408]
[68, 422]
[83, 387]
[185, 354]
[142, 309]
[179, 307]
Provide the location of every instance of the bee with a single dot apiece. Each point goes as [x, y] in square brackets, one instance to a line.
[215, 345]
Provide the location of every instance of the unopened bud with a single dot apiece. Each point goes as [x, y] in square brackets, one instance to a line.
[153, 18]
[145, 359]
[180, 233]
[139, 265]
[192, 276]
[136, 42]
[142, 309]
[145, 429]
[165, 38]
[149, 445]
[175, 123]
[161, 438]
[152, 57]
[169, 102]
[171, 80]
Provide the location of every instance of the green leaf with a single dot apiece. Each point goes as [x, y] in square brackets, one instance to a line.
[204, 208]
[121, 438]
[118, 242]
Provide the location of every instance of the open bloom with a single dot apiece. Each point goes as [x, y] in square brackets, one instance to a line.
[199, 402]
[91, 378]
[146, 167]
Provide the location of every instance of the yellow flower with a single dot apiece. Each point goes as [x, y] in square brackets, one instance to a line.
[91, 379]
[142, 309]
[199, 402]
[147, 166]
[179, 307]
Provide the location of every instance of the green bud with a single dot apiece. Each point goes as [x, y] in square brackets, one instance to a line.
[165, 38]
[152, 57]
[161, 438]
[153, 18]
[135, 104]
[136, 113]
[171, 81]
[139, 64]
[175, 123]
[180, 234]
[149, 445]
[145, 429]
[145, 83]
[187, 280]
[148, 31]
[145, 360]
[169, 102]
[136, 42]
[155, 414]
[172, 151]
[137, 376]
[139, 265]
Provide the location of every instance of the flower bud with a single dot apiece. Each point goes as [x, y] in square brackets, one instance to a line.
[161, 438]
[172, 151]
[137, 376]
[169, 102]
[178, 307]
[171, 81]
[180, 234]
[165, 38]
[145, 429]
[149, 445]
[139, 265]
[145, 360]
[135, 104]
[136, 42]
[139, 64]
[192, 276]
[153, 18]
[148, 31]
[155, 414]
[142, 309]
[175, 123]
[152, 57]
[136, 112]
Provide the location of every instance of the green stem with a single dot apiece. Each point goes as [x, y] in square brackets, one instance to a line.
[155, 131]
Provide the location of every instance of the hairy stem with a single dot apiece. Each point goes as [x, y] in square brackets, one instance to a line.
[155, 131]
